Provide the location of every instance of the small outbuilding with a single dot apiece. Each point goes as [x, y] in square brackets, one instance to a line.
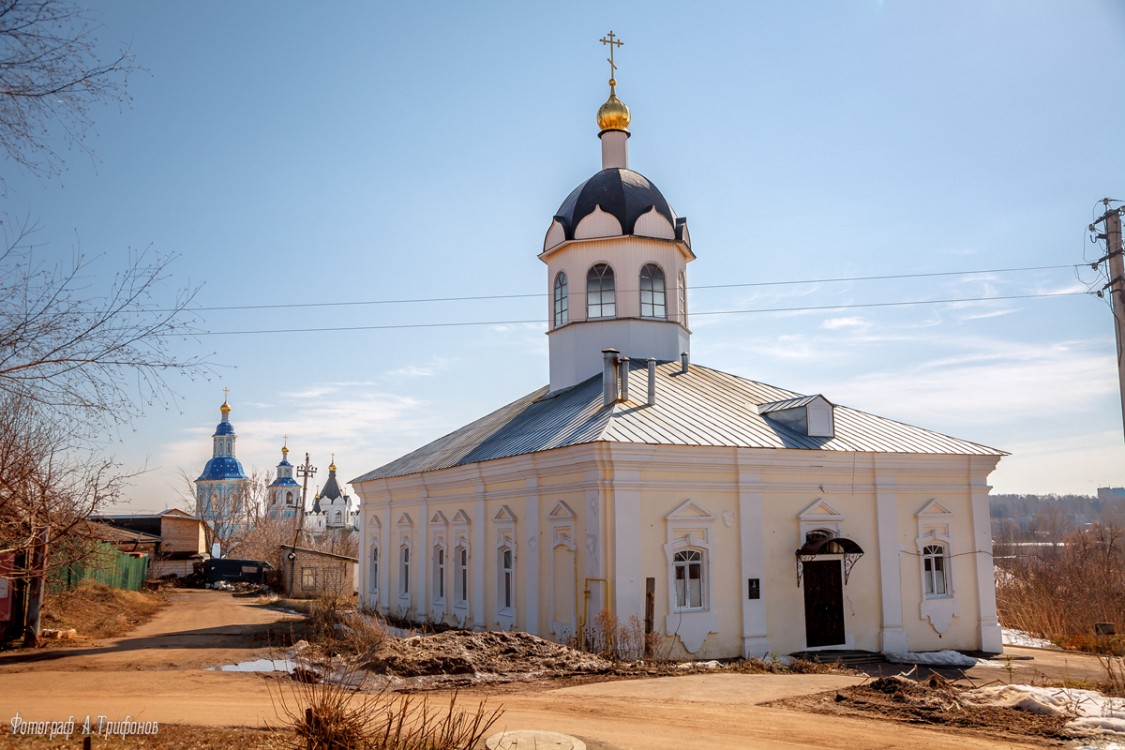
[309, 573]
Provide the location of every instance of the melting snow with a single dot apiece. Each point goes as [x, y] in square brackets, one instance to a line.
[1090, 711]
[1020, 638]
[942, 658]
[260, 665]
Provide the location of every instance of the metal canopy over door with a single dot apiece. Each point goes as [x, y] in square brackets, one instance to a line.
[824, 563]
[824, 603]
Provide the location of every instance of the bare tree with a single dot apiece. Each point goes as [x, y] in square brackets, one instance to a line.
[51, 75]
[93, 357]
[72, 363]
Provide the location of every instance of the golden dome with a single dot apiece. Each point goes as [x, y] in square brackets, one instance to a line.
[225, 408]
[285, 450]
[613, 115]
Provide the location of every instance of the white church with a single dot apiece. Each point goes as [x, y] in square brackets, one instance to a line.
[731, 517]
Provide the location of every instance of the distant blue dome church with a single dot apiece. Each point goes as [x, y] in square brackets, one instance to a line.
[220, 490]
[284, 492]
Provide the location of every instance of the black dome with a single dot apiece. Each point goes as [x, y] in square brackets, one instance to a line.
[623, 193]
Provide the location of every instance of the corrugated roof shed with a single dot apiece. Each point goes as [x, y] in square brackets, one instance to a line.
[702, 407]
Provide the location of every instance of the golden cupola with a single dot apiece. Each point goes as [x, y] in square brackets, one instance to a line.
[613, 115]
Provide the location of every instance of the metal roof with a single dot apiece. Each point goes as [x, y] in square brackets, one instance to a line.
[788, 403]
[702, 407]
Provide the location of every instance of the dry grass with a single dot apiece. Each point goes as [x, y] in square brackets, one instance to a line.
[610, 639]
[339, 714]
[99, 611]
[336, 626]
[1061, 592]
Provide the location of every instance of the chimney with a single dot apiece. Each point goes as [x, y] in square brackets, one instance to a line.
[623, 368]
[683, 362]
[609, 375]
[651, 381]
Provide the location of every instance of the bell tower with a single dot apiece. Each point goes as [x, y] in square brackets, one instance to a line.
[616, 256]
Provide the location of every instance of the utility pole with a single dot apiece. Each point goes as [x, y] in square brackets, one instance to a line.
[304, 470]
[1116, 285]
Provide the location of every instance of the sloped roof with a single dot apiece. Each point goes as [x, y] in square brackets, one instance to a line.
[105, 532]
[702, 407]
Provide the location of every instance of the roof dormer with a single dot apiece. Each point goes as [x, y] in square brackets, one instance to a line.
[808, 415]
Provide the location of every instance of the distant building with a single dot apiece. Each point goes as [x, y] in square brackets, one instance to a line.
[176, 539]
[308, 574]
[284, 492]
[1110, 494]
[220, 491]
[332, 509]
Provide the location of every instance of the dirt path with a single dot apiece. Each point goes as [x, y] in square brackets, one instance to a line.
[163, 671]
[198, 628]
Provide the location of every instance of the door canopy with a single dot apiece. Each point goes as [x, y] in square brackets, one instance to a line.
[838, 545]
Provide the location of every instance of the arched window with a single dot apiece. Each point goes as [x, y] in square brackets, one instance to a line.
[652, 292]
[462, 575]
[562, 304]
[339, 518]
[934, 570]
[439, 573]
[601, 300]
[682, 291]
[688, 571]
[507, 589]
[404, 571]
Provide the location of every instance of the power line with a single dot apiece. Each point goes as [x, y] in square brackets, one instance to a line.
[475, 298]
[816, 308]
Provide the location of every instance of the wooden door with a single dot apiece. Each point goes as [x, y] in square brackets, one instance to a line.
[824, 603]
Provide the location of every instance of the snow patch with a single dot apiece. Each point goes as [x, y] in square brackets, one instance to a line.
[942, 658]
[260, 665]
[1020, 638]
[1090, 711]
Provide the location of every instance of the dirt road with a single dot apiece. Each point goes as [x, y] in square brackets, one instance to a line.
[164, 672]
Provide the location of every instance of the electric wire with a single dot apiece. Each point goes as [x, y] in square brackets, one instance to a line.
[481, 297]
[539, 321]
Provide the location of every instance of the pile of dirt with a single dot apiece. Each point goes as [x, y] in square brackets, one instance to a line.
[489, 654]
[99, 611]
[933, 701]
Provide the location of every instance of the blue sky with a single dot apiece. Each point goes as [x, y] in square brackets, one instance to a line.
[299, 154]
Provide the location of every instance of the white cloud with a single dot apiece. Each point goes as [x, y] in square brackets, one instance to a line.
[837, 324]
[412, 371]
[1009, 383]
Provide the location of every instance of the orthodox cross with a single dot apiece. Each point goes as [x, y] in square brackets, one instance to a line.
[226, 394]
[612, 42]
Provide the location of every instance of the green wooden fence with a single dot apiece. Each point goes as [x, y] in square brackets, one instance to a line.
[104, 563]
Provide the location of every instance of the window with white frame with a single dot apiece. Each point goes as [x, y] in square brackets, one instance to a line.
[687, 571]
[652, 292]
[439, 573]
[506, 592]
[308, 578]
[601, 296]
[462, 584]
[404, 570]
[934, 566]
[562, 304]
